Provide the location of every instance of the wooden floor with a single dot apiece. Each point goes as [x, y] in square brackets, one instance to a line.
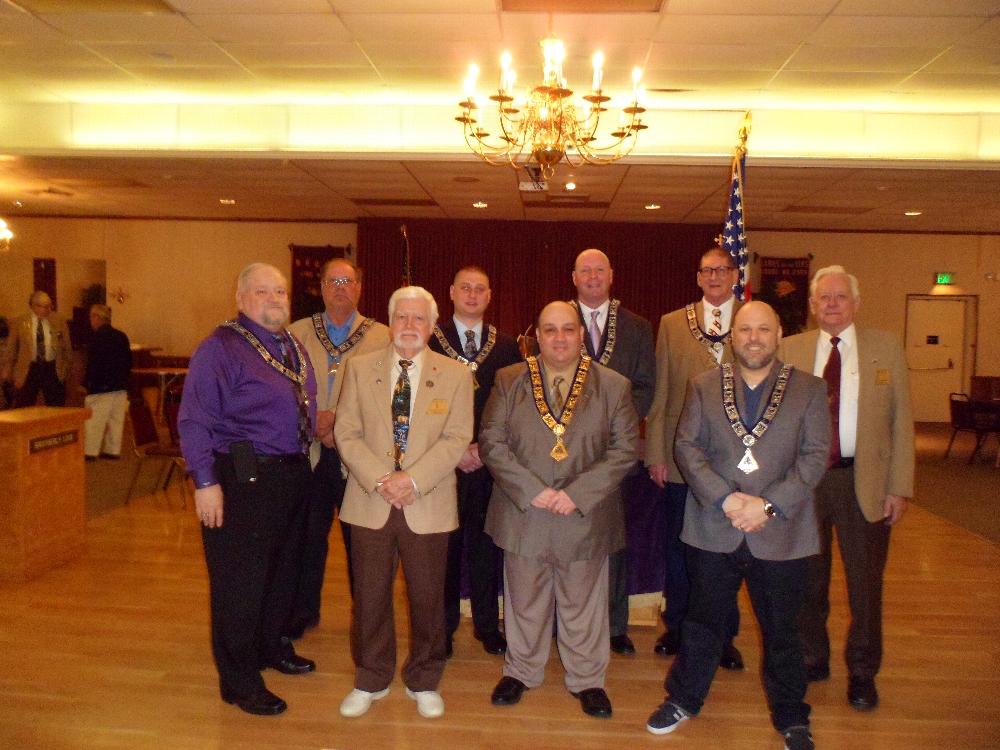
[111, 652]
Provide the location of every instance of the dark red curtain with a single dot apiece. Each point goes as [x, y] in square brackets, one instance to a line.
[529, 262]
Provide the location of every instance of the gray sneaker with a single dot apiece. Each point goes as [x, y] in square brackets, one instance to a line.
[667, 718]
[798, 738]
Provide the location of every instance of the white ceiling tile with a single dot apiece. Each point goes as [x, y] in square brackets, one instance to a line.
[344, 54]
[413, 6]
[967, 60]
[785, 29]
[751, 7]
[125, 27]
[987, 35]
[403, 27]
[814, 57]
[251, 7]
[291, 28]
[162, 54]
[718, 56]
[980, 8]
[843, 81]
[888, 31]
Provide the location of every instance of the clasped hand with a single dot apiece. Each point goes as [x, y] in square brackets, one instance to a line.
[554, 501]
[397, 489]
[745, 512]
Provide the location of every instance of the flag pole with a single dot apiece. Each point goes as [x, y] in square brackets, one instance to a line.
[733, 238]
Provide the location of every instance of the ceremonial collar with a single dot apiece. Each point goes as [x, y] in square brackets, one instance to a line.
[558, 426]
[475, 363]
[319, 326]
[299, 378]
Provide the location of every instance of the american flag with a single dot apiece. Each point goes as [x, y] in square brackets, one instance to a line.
[733, 238]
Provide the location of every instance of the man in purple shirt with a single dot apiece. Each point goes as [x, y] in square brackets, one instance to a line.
[245, 426]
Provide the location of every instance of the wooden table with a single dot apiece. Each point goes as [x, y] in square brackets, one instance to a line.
[166, 377]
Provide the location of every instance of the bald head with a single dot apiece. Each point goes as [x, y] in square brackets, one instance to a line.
[560, 335]
[592, 277]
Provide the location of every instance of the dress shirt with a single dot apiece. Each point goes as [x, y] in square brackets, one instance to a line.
[412, 372]
[602, 315]
[849, 383]
[725, 320]
[549, 376]
[50, 352]
[338, 334]
[232, 394]
[477, 331]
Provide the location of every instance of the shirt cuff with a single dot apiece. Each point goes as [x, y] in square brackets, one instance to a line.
[203, 478]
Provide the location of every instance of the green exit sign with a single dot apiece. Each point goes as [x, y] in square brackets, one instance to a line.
[944, 278]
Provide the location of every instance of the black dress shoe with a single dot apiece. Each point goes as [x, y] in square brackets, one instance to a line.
[818, 672]
[493, 643]
[291, 663]
[508, 691]
[262, 702]
[668, 644]
[595, 702]
[731, 658]
[861, 693]
[622, 644]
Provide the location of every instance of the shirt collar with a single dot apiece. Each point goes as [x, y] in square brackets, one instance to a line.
[726, 307]
[602, 309]
[461, 328]
[848, 338]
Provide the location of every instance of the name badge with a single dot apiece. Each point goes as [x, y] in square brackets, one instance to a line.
[882, 377]
[438, 406]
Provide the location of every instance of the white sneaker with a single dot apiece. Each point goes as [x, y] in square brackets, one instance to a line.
[429, 703]
[358, 702]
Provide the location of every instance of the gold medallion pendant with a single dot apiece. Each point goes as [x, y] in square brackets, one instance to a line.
[559, 452]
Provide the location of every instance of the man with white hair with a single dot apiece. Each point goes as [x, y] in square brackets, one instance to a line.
[109, 363]
[38, 355]
[245, 423]
[404, 421]
[869, 478]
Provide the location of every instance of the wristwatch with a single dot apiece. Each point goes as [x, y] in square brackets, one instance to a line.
[769, 510]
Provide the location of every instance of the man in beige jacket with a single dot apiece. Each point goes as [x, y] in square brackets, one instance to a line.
[38, 355]
[869, 479]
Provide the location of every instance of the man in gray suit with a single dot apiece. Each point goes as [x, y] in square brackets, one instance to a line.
[559, 433]
[752, 443]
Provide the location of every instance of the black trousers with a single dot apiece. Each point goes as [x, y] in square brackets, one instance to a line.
[483, 556]
[676, 587]
[252, 570]
[325, 496]
[41, 377]
[864, 547]
[777, 590]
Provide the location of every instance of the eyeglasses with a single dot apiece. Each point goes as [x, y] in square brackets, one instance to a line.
[339, 281]
[715, 270]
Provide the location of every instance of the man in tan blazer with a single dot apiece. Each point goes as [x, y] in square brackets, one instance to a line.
[32, 368]
[870, 477]
[403, 422]
[690, 341]
[559, 434]
[331, 338]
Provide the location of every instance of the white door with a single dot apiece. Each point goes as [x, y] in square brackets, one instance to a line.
[939, 351]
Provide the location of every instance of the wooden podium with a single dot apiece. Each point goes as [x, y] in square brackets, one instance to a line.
[42, 513]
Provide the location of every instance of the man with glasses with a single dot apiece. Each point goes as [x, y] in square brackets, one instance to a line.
[690, 341]
[484, 350]
[38, 355]
[330, 338]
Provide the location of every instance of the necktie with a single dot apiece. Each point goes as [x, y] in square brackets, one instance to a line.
[302, 408]
[831, 374]
[595, 331]
[40, 342]
[401, 412]
[470, 344]
[557, 393]
[717, 321]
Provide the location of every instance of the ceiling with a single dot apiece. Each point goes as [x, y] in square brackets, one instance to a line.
[339, 109]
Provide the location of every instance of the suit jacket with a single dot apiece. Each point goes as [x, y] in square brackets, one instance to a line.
[633, 356]
[21, 348]
[505, 352]
[514, 444]
[884, 452]
[791, 456]
[440, 431]
[109, 361]
[376, 338]
[679, 357]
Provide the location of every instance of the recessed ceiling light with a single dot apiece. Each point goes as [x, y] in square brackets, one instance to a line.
[227, 201]
[652, 206]
[571, 185]
[479, 204]
[912, 213]
[18, 204]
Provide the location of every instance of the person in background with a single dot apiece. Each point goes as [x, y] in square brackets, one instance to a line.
[38, 355]
[109, 363]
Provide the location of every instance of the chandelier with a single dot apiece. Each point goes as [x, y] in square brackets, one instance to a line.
[547, 125]
[5, 236]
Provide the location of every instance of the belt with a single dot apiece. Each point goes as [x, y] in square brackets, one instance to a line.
[843, 463]
[289, 458]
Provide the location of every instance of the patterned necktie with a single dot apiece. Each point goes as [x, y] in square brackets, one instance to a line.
[831, 374]
[40, 341]
[470, 344]
[595, 331]
[401, 412]
[557, 393]
[717, 322]
[301, 404]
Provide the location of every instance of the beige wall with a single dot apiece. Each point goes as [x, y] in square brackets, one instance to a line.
[179, 275]
[890, 266]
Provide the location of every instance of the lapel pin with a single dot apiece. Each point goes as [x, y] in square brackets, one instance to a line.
[429, 383]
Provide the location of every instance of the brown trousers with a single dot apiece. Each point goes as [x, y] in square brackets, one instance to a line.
[375, 555]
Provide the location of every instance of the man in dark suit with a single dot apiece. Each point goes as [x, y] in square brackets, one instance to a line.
[690, 341]
[752, 443]
[109, 364]
[38, 355]
[623, 341]
[559, 434]
[866, 488]
[484, 350]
